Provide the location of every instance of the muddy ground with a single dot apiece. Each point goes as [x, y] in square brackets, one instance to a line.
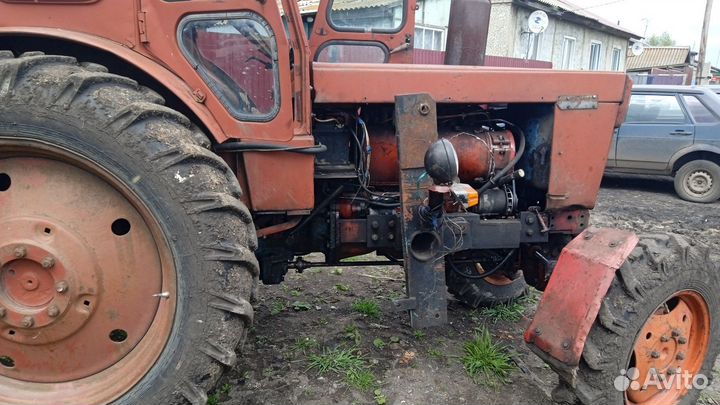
[312, 312]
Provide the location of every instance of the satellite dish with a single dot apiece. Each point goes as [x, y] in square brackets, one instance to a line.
[637, 48]
[538, 22]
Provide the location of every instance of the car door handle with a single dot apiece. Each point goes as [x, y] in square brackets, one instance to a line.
[681, 132]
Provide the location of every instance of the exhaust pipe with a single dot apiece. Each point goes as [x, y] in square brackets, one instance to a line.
[468, 32]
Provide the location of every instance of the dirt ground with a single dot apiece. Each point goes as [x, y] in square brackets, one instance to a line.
[312, 313]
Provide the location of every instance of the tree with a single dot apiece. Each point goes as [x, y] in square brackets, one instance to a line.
[663, 39]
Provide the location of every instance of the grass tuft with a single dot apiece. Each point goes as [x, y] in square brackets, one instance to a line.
[485, 361]
[347, 363]
[367, 307]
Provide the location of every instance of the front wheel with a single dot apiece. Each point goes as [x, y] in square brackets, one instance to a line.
[656, 338]
[698, 181]
[126, 261]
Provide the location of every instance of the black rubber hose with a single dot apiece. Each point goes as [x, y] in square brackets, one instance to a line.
[242, 147]
[487, 273]
[520, 152]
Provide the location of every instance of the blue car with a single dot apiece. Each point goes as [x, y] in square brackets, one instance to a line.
[672, 131]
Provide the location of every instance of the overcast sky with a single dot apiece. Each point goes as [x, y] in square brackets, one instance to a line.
[682, 19]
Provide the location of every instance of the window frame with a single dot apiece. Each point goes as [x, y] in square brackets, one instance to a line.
[568, 40]
[534, 44]
[400, 27]
[375, 44]
[614, 67]
[599, 55]
[210, 82]
[441, 30]
[686, 114]
[697, 97]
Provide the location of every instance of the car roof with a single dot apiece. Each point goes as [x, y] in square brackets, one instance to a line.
[648, 88]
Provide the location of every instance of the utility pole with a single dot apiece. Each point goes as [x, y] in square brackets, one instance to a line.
[703, 42]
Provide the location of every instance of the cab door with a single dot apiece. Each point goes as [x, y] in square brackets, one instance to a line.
[364, 31]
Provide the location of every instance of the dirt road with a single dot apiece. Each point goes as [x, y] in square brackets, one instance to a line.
[299, 323]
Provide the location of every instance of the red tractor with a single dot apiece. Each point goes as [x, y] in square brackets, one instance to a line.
[158, 158]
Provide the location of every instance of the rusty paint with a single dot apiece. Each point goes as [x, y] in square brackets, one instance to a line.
[569, 221]
[348, 83]
[272, 230]
[56, 296]
[579, 155]
[400, 43]
[674, 340]
[568, 308]
[483, 153]
[468, 32]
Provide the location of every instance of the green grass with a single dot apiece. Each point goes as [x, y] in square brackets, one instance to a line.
[379, 343]
[419, 335]
[353, 333]
[510, 312]
[379, 397]
[305, 344]
[347, 363]
[223, 392]
[485, 361]
[301, 306]
[436, 353]
[277, 307]
[367, 307]
[342, 287]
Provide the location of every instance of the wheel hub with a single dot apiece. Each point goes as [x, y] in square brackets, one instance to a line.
[80, 274]
[39, 285]
[700, 182]
[671, 346]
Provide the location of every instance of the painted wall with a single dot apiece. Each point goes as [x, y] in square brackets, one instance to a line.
[509, 36]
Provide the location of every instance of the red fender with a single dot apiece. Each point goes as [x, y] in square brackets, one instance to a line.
[572, 299]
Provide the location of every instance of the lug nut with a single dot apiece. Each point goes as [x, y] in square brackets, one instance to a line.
[28, 322]
[655, 355]
[48, 262]
[20, 252]
[391, 236]
[671, 371]
[53, 311]
[375, 225]
[61, 287]
[675, 333]
[680, 356]
[3, 311]
[664, 339]
[391, 223]
[682, 340]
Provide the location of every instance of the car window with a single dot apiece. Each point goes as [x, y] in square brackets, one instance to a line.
[655, 108]
[698, 110]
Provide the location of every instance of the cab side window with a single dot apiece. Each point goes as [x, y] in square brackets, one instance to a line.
[236, 55]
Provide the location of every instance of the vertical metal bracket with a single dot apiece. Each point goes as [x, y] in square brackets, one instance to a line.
[416, 128]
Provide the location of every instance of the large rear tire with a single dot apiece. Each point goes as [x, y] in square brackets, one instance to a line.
[130, 252]
[660, 313]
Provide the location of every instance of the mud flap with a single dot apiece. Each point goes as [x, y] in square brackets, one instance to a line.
[572, 299]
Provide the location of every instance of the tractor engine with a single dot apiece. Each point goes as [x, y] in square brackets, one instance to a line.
[482, 165]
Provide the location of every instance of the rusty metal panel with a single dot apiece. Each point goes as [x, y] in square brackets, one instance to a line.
[280, 181]
[416, 126]
[581, 141]
[571, 302]
[339, 83]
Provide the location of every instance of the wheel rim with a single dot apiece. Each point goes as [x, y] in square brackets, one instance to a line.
[699, 182]
[84, 271]
[673, 344]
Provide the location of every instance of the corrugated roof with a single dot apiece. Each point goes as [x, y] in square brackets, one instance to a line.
[659, 56]
[567, 6]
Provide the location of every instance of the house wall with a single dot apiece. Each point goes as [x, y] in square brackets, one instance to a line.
[509, 36]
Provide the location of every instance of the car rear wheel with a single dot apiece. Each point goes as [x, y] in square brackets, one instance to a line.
[698, 181]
